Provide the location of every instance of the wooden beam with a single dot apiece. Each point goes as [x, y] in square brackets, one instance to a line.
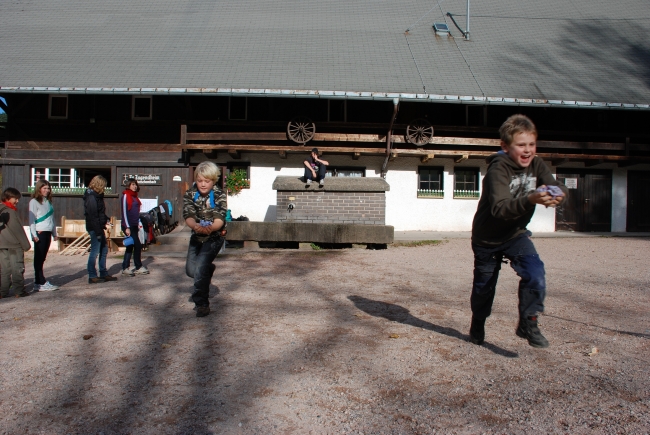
[206, 150]
[355, 156]
[283, 154]
[426, 158]
[115, 183]
[234, 153]
[183, 134]
[461, 158]
[93, 146]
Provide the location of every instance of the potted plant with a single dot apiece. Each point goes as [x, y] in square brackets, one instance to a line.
[236, 181]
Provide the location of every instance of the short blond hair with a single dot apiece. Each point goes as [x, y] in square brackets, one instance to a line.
[516, 124]
[98, 184]
[207, 170]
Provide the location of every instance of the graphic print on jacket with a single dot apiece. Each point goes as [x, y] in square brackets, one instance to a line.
[522, 184]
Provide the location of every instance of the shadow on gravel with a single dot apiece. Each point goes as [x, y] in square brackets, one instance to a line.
[400, 314]
[633, 334]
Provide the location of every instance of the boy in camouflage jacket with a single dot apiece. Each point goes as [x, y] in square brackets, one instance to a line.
[204, 211]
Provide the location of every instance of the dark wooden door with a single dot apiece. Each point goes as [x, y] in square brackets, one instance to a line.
[638, 201]
[589, 205]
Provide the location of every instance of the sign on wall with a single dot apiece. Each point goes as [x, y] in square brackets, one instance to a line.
[571, 183]
[144, 179]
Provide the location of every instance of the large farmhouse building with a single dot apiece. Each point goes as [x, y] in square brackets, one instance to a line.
[389, 89]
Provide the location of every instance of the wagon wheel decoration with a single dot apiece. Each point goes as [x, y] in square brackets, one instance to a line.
[301, 129]
[419, 132]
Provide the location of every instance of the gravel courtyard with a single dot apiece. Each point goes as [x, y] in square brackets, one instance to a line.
[349, 341]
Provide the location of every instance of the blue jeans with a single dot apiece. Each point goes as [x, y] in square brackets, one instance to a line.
[199, 266]
[99, 246]
[134, 250]
[526, 263]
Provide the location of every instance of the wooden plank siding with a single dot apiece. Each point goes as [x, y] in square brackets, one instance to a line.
[71, 206]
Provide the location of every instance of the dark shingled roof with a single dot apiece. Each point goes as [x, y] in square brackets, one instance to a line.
[566, 50]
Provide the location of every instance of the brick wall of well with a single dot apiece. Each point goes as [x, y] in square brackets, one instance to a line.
[367, 208]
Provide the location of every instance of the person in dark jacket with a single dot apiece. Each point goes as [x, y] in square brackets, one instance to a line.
[13, 245]
[130, 205]
[96, 223]
[515, 182]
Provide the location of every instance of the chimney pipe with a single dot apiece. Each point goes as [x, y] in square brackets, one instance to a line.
[467, 24]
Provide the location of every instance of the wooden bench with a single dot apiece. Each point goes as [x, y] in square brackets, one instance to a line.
[72, 229]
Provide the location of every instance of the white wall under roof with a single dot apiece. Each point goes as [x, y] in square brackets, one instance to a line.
[404, 210]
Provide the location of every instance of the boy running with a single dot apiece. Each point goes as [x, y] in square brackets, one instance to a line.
[204, 211]
[506, 206]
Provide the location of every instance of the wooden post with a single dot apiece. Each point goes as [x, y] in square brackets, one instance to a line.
[113, 180]
[183, 134]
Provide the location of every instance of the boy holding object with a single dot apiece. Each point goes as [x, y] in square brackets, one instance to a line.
[204, 211]
[515, 182]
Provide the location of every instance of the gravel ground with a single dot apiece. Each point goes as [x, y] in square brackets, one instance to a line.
[350, 341]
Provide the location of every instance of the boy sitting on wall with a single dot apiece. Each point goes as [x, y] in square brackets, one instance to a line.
[515, 182]
[315, 168]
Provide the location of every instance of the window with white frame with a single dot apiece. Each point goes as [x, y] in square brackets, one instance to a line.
[57, 107]
[141, 108]
[58, 177]
[345, 171]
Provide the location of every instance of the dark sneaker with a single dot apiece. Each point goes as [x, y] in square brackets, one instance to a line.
[202, 311]
[22, 294]
[529, 330]
[477, 331]
[109, 278]
[96, 280]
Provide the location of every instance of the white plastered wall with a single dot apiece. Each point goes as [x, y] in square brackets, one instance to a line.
[404, 210]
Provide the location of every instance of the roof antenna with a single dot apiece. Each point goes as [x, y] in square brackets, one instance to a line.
[464, 32]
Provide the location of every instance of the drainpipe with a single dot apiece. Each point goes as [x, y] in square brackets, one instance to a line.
[389, 138]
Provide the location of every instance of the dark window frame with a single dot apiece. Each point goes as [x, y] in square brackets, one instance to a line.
[49, 106]
[329, 110]
[461, 190]
[425, 189]
[133, 111]
[230, 115]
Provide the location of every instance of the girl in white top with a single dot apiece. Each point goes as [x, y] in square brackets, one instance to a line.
[42, 229]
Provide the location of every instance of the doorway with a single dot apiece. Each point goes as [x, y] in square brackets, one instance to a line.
[638, 201]
[589, 205]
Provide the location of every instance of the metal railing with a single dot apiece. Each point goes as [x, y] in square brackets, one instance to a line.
[70, 190]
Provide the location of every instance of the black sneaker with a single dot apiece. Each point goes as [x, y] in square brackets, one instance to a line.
[22, 294]
[477, 331]
[202, 311]
[529, 330]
